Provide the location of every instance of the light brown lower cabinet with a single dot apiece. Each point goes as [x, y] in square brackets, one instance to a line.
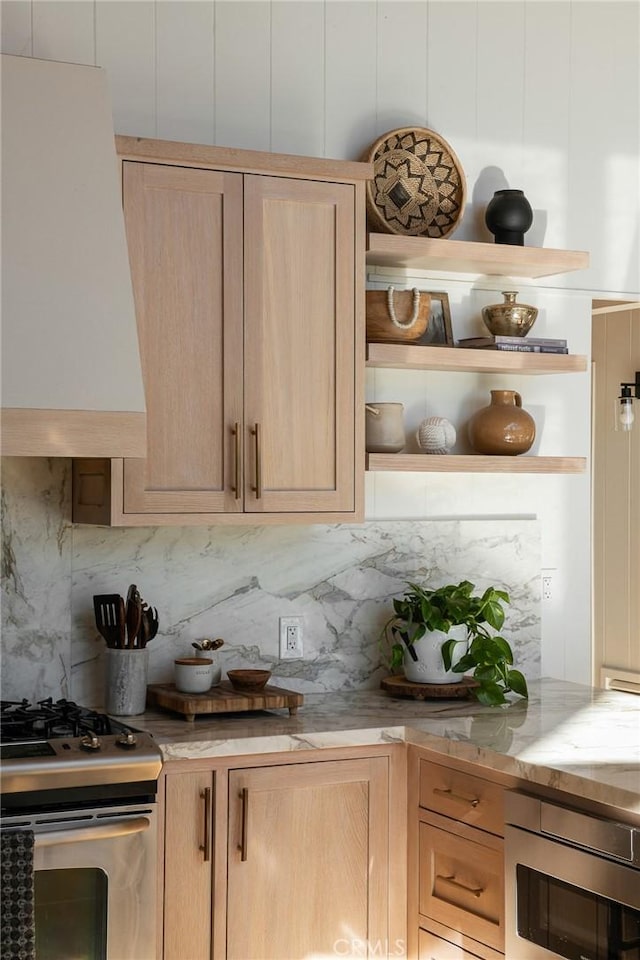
[283, 860]
[307, 859]
[187, 866]
[455, 860]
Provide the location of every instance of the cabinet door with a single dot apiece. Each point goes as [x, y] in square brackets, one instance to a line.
[300, 345]
[184, 232]
[187, 866]
[308, 860]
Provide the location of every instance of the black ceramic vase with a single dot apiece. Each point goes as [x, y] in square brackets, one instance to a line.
[508, 216]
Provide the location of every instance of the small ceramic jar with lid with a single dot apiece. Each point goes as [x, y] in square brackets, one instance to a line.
[193, 674]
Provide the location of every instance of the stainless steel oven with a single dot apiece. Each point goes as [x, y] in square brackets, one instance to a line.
[572, 883]
[86, 798]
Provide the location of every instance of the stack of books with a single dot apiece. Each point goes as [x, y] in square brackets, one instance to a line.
[517, 344]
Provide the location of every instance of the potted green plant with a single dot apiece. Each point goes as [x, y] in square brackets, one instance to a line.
[428, 625]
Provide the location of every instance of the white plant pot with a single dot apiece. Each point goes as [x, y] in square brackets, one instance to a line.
[429, 668]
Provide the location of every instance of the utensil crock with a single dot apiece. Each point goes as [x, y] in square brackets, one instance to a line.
[126, 681]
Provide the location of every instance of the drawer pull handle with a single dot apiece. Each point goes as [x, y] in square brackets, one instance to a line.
[244, 797]
[236, 434]
[258, 464]
[468, 801]
[205, 846]
[476, 891]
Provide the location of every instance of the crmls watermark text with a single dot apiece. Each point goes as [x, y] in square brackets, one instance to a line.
[369, 948]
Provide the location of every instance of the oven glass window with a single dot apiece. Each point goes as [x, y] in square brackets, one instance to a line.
[71, 914]
[574, 923]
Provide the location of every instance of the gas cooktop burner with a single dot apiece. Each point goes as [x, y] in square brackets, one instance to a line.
[49, 719]
[56, 745]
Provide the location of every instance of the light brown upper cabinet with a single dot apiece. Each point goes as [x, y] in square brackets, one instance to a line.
[248, 277]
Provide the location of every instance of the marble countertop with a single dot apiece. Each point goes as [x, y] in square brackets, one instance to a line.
[569, 737]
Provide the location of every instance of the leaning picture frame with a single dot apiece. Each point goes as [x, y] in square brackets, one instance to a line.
[439, 332]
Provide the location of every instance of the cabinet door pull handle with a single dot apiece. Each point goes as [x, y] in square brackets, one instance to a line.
[244, 797]
[476, 891]
[236, 434]
[205, 846]
[468, 801]
[258, 487]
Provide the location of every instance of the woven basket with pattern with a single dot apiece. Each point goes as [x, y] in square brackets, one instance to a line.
[418, 187]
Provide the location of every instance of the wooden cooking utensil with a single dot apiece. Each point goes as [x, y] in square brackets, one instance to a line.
[133, 615]
[122, 621]
[145, 629]
[153, 622]
[107, 610]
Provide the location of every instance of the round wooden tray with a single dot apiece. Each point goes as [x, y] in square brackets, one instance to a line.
[401, 687]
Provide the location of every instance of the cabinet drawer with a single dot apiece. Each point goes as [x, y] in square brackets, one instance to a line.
[437, 942]
[461, 883]
[431, 947]
[462, 796]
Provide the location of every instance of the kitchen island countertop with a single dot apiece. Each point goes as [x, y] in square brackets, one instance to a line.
[573, 738]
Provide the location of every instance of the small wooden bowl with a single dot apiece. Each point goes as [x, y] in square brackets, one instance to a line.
[249, 680]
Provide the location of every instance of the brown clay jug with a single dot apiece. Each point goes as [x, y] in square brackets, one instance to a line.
[503, 427]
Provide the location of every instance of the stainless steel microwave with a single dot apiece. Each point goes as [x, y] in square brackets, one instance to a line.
[572, 884]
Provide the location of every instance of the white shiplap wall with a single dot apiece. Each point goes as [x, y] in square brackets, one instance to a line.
[539, 95]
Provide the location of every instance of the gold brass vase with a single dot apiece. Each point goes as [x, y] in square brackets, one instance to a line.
[509, 319]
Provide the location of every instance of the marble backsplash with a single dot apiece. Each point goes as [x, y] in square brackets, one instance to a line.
[235, 583]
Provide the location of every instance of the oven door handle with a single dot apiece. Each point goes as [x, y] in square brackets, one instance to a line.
[103, 831]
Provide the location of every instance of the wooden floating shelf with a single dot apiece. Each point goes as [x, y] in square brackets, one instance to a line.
[460, 360]
[473, 463]
[463, 256]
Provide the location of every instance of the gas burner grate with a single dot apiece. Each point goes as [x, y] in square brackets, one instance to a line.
[51, 719]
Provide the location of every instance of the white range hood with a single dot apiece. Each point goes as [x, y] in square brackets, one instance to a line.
[71, 375]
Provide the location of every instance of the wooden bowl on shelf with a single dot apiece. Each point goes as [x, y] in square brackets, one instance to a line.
[249, 681]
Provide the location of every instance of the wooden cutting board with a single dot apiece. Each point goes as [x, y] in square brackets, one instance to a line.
[221, 699]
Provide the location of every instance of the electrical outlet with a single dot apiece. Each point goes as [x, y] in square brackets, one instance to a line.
[291, 638]
[547, 587]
